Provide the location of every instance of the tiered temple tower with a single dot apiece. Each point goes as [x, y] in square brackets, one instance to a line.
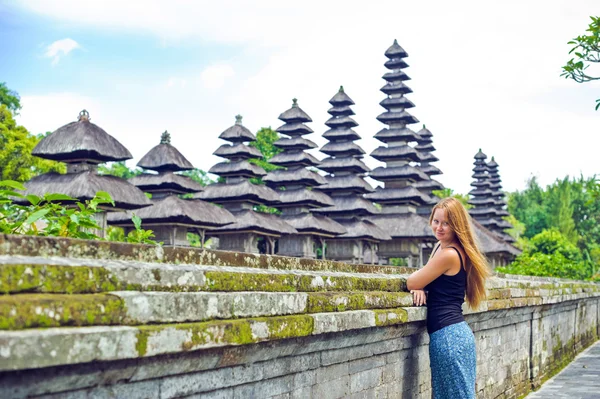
[346, 186]
[171, 217]
[399, 197]
[294, 185]
[426, 149]
[239, 196]
[481, 196]
[83, 145]
[500, 202]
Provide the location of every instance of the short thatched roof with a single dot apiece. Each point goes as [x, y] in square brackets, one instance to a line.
[337, 134]
[430, 184]
[391, 135]
[85, 185]
[483, 201]
[341, 121]
[389, 117]
[391, 173]
[489, 242]
[237, 133]
[398, 196]
[396, 63]
[309, 223]
[363, 229]
[396, 102]
[165, 182]
[354, 165]
[338, 148]
[303, 197]
[174, 210]
[347, 183]
[294, 158]
[404, 225]
[81, 141]
[425, 147]
[349, 204]
[164, 157]
[294, 114]
[480, 155]
[294, 129]
[341, 98]
[427, 156]
[237, 151]
[303, 176]
[221, 193]
[401, 152]
[395, 88]
[430, 170]
[396, 75]
[237, 168]
[296, 143]
[250, 221]
[340, 110]
[395, 51]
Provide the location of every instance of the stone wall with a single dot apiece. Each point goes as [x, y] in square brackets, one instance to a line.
[104, 320]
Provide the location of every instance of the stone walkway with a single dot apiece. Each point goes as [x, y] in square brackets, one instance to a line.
[579, 380]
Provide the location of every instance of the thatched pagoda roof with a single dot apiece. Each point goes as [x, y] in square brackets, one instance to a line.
[237, 151]
[221, 193]
[164, 157]
[387, 135]
[480, 155]
[396, 117]
[174, 210]
[84, 186]
[302, 176]
[237, 168]
[341, 98]
[342, 149]
[303, 197]
[363, 229]
[395, 51]
[339, 110]
[349, 204]
[294, 129]
[405, 225]
[341, 134]
[352, 183]
[296, 143]
[398, 196]
[489, 242]
[427, 156]
[391, 173]
[482, 201]
[396, 63]
[430, 184]
[247, 221]
[81, 141]
[353, 165]
[404, 152]
[237, 133]
[294, 158]
[343, 121]
[294, 114]
[392, 88]
[310, 223]
[165, 182]
[430, 170]
[396, 102]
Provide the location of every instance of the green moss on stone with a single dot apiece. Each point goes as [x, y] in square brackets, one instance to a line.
[388, 317]
[340, 302]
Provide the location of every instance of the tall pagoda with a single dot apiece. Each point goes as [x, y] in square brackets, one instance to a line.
[294, 185]
[426, 149]
[83, 145]
[240, 196]
[399, 197]
[483, 210]
[171, 217]
[346, 186]
[499, 202]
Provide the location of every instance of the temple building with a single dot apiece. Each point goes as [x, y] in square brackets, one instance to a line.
[294, 185]
[346, 186]
[240, 196]
[83, 145]
[171, 217]
[499, 202]
[426, 149]
[399, 197]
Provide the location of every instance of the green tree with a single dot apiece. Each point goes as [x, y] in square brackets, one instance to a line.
[118, 169]
[448, 192]
[265, 138]
[10, 98]
[16, 144]
[586, 49]
[528, 207]
[199, 176]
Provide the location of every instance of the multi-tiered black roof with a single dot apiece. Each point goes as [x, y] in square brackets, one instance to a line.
[500, 202]
[293, 182]
[398, 175]
[237, 193]
[167, 208]
[426, 149]
[345, 182]
[83, 145]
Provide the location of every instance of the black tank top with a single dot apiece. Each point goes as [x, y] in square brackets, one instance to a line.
[445, 297]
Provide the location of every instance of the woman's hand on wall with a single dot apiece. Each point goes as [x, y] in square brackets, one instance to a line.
[419, 297]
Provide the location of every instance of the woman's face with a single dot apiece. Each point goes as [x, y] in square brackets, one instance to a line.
[441, 227]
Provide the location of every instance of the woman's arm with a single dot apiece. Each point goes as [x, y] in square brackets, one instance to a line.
[433, 269]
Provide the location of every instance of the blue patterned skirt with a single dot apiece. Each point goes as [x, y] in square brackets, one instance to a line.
[453, 360]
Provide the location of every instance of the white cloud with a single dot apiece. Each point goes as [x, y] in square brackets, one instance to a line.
[215, 76]
[176, 82]
[61, 48]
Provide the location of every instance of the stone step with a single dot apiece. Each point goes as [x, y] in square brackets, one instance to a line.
[23, 311]
[70, 275]
[38, 348]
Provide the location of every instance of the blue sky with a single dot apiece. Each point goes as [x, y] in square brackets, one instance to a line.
[484, 74]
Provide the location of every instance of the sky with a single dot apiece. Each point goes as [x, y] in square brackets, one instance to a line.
[484, 74]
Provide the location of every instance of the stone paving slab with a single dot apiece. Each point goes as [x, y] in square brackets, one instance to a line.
[579, 380]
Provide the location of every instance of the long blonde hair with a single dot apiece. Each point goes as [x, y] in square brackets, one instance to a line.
[476, 265]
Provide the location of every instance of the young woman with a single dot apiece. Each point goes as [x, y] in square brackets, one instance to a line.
[456, 267]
